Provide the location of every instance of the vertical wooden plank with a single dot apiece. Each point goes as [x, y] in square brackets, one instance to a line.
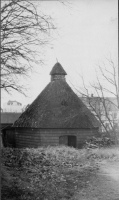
[63, 140]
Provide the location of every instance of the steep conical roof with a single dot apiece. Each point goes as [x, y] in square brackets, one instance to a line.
[57, 107]
[58, 69]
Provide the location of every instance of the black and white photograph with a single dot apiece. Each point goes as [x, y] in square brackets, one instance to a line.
[59, 100]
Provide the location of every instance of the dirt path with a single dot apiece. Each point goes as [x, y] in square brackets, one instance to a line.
[104, 185]
[111, 169]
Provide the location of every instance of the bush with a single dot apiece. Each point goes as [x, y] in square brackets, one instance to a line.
[104, 153]
[98, 142]
[45, 173]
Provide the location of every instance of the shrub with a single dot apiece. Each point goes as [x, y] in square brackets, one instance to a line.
[98, 142]
[45, 173]
[104, 153]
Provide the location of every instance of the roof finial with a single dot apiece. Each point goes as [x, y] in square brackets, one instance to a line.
[54, 53]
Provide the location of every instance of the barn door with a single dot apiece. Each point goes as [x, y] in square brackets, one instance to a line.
[63, 140]
[72, 141]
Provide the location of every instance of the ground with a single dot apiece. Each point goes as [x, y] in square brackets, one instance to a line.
[103, 185]
[60, 173]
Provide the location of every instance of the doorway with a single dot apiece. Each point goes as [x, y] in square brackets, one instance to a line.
[68, 140]
[72, 141]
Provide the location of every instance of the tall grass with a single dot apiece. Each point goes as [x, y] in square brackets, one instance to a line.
[105, 153]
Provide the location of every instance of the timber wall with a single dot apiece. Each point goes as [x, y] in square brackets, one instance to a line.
[43, 137]
[51, 137]
[28, 138]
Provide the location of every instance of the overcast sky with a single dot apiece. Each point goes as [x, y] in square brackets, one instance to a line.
[87, 32]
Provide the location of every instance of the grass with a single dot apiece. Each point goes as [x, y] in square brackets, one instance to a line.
[105, 153]
[49, 173]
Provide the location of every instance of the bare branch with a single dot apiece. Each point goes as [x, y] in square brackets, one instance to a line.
[22, 30]
[101, 106]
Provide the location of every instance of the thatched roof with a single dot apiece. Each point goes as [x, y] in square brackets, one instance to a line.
[57, 106]
[58, 69]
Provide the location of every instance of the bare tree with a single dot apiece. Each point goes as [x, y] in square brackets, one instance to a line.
[105, 109]
[111, 77]
[23, 30]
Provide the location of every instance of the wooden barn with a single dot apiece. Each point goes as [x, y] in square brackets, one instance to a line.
[56, 117]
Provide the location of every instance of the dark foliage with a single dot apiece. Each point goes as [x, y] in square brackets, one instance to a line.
[99, 142]
[40, 174]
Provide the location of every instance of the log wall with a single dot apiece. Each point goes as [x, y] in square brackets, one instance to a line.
[28, 138]
[43, 137]
[51, 137]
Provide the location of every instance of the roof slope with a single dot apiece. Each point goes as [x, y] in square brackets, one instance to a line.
[57, 106]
